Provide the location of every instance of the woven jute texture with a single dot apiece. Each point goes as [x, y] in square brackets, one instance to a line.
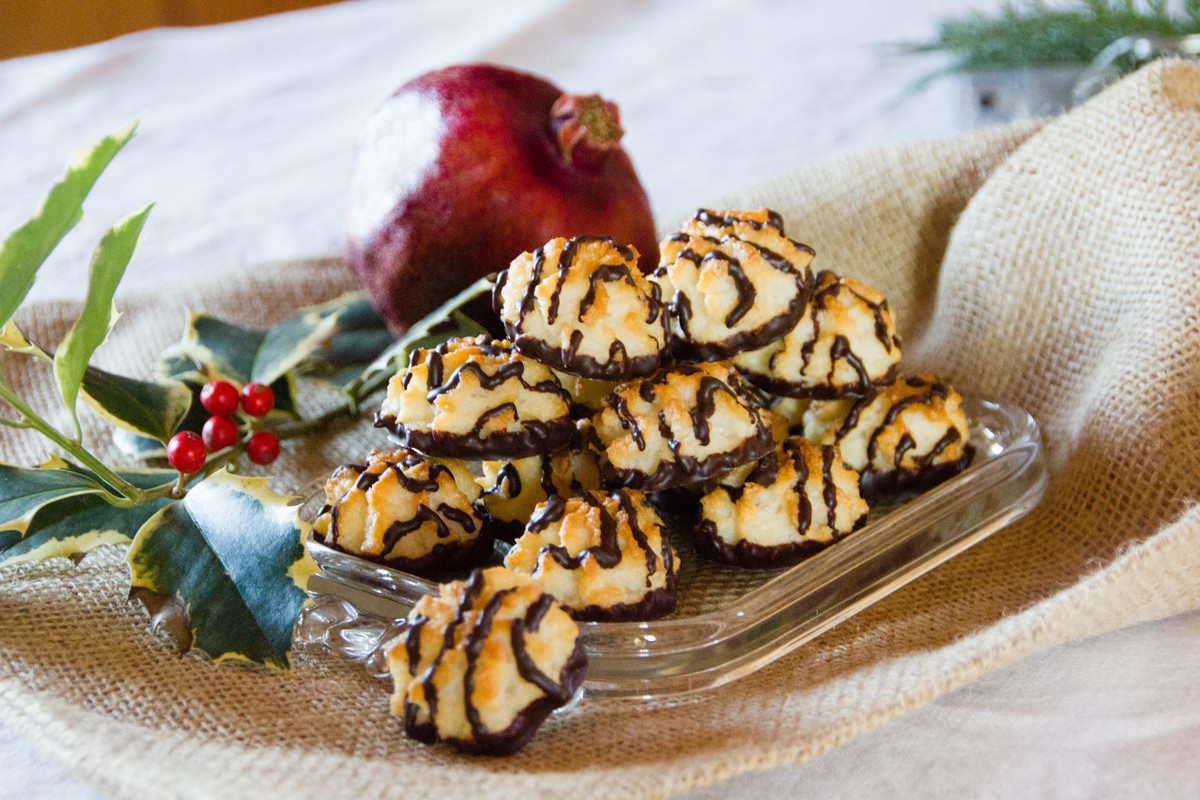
[1058, 266]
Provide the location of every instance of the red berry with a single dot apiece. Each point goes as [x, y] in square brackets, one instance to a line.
[219, 433]
[257, 399]
[185, 451]
[219, 397]
[262, 447]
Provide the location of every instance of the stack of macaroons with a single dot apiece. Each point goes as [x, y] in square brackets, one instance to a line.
[728, 373]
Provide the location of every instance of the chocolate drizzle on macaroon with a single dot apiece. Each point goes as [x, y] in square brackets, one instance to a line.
[734, 281]
[798, 500]
[504, 686]
[512, 489]
[405, 511]
[845, 343]
[909, 435]
[477, 398]
[686, 424]
[605, 557]
[581, 306]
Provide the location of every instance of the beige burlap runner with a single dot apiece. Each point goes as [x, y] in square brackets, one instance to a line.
[1057, 267]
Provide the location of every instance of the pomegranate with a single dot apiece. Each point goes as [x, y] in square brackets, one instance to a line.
[464, 168]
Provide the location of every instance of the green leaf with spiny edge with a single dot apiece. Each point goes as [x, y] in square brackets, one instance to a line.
[292, 342]
[174, 363]
[173, 367]
[99, 313]
[24, 250]
[228, 562]
[152, 409]
[75, 526]
[360, 336]
[223, 351]
[24, 491]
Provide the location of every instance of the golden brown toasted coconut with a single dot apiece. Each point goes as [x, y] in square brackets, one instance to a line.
[512, 489]
[798, 500]
[910, 433]
[686, 424]
[604, 556]
[404, 510]
[733, 282]
[477, 398]
[483, 663]
[845, 343]
[580, 305]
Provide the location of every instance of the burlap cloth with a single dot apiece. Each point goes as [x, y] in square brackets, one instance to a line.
[1057, 267]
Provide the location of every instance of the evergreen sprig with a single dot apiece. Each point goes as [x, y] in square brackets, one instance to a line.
[1027, 33]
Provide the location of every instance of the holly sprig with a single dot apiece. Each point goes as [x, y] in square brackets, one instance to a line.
[216, 557]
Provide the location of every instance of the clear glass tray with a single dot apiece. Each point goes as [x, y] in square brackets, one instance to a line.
[730, 622]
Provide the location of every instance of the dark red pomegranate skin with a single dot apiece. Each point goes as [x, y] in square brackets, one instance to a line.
[460, 171]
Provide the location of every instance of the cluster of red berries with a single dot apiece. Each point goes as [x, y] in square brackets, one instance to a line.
[187, 451]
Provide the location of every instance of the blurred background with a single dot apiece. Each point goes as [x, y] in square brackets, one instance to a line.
[36, 26]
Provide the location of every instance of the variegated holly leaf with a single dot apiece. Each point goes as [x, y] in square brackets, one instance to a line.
[224, 569]
[24, 250]
[149, 409]
[221, 349]
[73, 526]
[309, 333]
[358, 338]
[172, 369]
[99, 314]
[224, 351]
[24, 491]
[241, 354]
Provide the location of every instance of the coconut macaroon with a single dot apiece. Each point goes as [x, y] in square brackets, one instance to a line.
[797, 501]
[910, 434]
[733, 282]
[688, 423]
[406, 511]
[581, 306]
[845, 343]
[484, 663]
[512, 489]
[477, 398]
[604, 556]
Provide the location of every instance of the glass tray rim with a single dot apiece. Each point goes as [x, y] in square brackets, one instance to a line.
[679, 655]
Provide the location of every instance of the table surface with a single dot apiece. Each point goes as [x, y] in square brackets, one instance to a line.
[246, 142]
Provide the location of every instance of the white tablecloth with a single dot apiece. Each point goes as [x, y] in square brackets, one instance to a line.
[246, 143]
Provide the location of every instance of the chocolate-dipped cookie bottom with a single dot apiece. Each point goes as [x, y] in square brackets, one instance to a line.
[619, 366]
[684, 469]
[657, 603]
[534, 438]
[748, 554]
[772, 330]
[443, 558]
[925, 477]
[523, 727]
[784, 388]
